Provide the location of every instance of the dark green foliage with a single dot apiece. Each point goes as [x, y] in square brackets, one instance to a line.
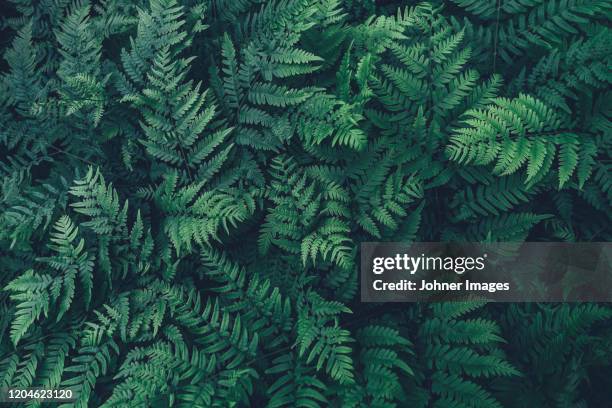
[184, 186]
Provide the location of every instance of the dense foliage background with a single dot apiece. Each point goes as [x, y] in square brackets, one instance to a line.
[184, 186]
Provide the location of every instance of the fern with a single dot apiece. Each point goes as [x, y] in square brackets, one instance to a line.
[32, 291]
[505, 135]
[200, 220]
[185, 185]
[71, 260]
[322, 340]
[296, 387]
[457, 356]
